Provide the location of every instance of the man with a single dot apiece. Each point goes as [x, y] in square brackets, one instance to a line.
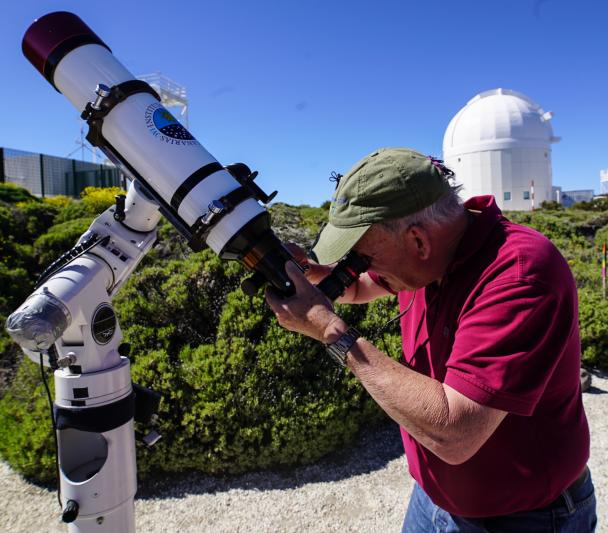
[488, 396]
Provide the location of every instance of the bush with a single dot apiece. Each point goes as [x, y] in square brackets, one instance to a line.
[601, 204]
[72, 211]
[593, 318]
[37, 218]
[551, 205]
[288, 224]
[94, 201]
[239, 392]
[12, 194]
[59, 239]
[60, 201]
[98, 199]
[26, 438]
[16, 285]
[14, 253]
[256, 397]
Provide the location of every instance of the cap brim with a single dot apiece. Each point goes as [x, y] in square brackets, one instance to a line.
[334, 243]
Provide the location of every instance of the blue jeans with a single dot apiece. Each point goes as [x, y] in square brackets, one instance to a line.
[575, 515]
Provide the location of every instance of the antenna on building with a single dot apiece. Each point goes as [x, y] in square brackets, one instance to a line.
[172, 94]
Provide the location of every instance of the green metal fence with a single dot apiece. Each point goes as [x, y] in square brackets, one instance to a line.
[47, 175]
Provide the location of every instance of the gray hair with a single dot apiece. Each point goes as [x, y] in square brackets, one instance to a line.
[443, 211]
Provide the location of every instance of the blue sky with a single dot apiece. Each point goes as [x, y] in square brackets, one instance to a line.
[297, 89]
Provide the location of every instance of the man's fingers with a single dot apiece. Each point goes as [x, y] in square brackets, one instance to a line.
[272, 298]
[298, 254]
[296, 276]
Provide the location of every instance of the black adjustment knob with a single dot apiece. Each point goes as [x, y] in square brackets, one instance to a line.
[124, 349]
[119, 213]
[70, 512]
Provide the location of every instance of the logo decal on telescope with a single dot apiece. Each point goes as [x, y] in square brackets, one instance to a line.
[103, 324]
[165, 127]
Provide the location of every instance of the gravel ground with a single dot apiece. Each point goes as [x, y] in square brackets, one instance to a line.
[365, 488]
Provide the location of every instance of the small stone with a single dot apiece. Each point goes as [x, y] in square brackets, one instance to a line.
[585, 380]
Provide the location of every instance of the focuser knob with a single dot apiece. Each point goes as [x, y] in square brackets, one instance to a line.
[214, 209]
[102, 91]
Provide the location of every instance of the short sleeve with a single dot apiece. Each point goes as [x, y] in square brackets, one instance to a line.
[508, 343]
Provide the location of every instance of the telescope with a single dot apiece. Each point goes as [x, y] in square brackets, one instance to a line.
[68, 322]
[208, 203]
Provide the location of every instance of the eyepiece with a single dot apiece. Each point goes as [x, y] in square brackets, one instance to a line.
[344, 274]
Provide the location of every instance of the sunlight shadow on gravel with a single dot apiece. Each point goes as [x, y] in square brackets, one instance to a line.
[370, 452]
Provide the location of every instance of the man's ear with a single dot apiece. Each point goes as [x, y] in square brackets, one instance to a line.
[420, 241]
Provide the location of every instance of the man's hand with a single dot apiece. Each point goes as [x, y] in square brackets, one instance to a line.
[308, 312]
[312, 270]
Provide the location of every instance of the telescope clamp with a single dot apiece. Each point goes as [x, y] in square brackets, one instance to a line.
[107, 99]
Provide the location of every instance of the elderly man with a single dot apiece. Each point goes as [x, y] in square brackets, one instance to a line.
[488, 394]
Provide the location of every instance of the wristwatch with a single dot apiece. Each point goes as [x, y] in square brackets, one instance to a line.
[339, 348]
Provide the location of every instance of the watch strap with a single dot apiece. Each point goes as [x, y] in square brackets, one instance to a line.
[339, 348]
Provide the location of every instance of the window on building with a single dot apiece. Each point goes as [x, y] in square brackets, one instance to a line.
[526, 195]
[507, 196]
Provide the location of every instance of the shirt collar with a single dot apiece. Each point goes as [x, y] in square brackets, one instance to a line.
[489, 214]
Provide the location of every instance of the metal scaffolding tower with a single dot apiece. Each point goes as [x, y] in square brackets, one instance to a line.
[172, 94]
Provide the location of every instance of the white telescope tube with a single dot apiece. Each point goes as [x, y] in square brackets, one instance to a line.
[139, 128]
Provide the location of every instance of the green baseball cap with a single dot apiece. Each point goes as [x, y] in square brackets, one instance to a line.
[388, 183]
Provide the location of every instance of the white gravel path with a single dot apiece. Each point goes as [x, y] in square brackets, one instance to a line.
[365, 489]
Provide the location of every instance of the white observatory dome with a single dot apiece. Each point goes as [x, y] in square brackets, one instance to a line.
[500, 143]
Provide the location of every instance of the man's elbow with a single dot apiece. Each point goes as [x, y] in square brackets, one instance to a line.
[455, 452]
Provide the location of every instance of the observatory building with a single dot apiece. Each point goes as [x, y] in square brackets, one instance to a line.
[499, 143]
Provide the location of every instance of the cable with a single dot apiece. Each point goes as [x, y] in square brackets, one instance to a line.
[71, 255]
[382, 329]
[48, 394]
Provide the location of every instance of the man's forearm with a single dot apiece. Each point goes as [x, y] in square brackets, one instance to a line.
[450, 425]
[414, 401]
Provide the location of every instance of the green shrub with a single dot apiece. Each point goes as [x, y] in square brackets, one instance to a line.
[239, 392]
[59, 239]
[551, 205]
[26, 438]
[98, 199]
[600, 204]
[16, 285]
[257, 397]
[73, 210]
[593, 319]
[289, 226]
[37, 217]
[12, 194]
[12, 252]
[94, 201]
[60, 201]
[9, 225]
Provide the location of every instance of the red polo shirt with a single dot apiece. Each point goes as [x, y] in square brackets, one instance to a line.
[502, 329]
